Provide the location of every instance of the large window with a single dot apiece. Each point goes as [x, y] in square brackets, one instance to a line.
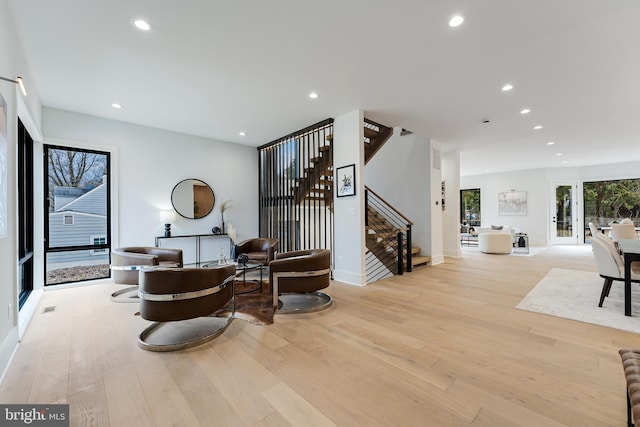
[25, 213]
[470, 207]
[77, 214]
[608, 201]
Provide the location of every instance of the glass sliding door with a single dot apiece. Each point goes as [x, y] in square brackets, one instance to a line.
[609, 201]
[77, 214]
[25, 213]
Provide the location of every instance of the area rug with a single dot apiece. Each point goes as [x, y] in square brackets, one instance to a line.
[533, 251]
[254, 308]
[574, 294]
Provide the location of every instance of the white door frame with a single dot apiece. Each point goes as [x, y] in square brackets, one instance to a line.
[554, 239]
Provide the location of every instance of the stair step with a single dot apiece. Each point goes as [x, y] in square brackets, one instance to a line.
[420, 260]
[324, 148]
[370, 133]
[415, 251]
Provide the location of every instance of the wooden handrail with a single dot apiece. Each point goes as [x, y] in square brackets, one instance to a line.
[390, 205]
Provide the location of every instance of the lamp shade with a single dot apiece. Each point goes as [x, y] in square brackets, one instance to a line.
[168, 216]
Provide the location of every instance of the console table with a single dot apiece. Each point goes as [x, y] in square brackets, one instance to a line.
[197, 238]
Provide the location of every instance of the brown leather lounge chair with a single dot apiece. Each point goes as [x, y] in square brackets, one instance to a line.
[296, 278]
[261, 249]
[181, 301]
[126, 263]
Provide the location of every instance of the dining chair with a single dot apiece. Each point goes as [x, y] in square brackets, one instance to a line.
[623, 231]
[610, 266]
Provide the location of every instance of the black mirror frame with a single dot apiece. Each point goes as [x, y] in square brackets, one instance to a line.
[184, 214]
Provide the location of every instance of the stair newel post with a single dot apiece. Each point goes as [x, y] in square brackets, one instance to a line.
[400, 257]
[409, 247]
[366, 208]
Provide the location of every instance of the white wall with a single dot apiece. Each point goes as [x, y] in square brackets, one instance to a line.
[436, 231]
[147, 163]
[537, 184]
[349, 237]
[451, 214]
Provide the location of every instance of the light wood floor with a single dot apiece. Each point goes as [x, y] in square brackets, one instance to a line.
[442, 346]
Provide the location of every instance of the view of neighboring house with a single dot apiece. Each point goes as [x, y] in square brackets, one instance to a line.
[79, 218]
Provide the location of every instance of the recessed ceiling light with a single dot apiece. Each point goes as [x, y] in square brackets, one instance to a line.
[456, 20]
[141, 24]
[564, 162]
[525, 111]
[558, 154]
[242, 133]
[537, 127]
[507, 87]
[313, 95]
[118, 106]
[550, 143]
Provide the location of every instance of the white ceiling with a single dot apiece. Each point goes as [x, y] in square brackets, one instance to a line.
[213, 68]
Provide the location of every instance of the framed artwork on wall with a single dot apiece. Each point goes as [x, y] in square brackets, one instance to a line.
[346, 180]
[512, 203]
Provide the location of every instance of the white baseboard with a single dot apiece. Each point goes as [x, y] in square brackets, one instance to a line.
[437, 260]
[348, 277]
[7, 351]
[27, 311]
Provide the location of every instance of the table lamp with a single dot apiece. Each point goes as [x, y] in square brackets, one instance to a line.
[167, 217]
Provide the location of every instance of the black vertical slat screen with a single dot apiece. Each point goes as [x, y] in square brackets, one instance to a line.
[296, 191]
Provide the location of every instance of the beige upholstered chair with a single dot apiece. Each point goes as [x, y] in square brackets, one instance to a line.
[593, 229]
[611, 247]
[296, 279]
[126, 263]
[610, 265]
[623, 231]
[260, 249]
[181, 302]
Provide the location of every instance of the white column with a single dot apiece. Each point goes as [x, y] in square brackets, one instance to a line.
[349, 233]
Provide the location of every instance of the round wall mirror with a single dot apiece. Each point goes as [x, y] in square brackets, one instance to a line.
[192, 198]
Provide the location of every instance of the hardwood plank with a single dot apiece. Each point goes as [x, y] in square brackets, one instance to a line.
[441, 346]
[125, 398]
[296, 410]
[166, 402]
[234, 385]
[88, 407]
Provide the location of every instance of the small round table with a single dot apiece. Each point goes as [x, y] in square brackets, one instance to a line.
[241, 272]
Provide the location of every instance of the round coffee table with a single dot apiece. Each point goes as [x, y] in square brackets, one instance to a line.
[241, 274]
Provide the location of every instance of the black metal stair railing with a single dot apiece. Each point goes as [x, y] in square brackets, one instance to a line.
[388, 237]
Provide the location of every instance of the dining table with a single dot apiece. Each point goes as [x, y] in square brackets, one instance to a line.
[630, 249]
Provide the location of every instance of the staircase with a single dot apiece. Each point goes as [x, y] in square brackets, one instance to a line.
[316, 184]
[317, 181]
[375, 136]
[388, 235]
[388, 232]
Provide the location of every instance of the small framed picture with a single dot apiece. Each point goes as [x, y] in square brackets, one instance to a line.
[346, 180]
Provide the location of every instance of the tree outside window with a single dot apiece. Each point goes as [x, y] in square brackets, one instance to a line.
[470, 207]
